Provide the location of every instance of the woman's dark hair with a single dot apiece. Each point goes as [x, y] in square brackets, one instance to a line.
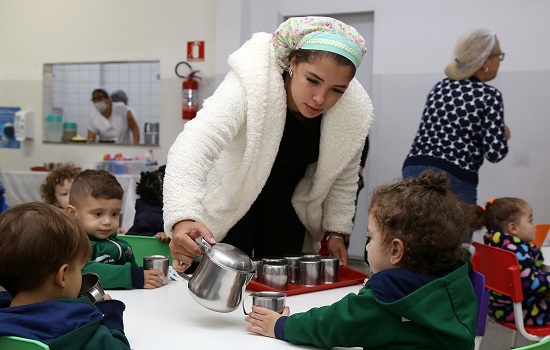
[309, 56]
[149, 187]
[426, 216]
[101, 91]
[497, 213]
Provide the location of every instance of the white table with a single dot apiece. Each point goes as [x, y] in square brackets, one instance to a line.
[168, 318]
[24, 186]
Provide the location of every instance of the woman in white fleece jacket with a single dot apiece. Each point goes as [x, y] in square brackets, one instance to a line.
[270, 163]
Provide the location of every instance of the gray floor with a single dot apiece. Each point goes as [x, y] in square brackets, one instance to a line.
[496, 337]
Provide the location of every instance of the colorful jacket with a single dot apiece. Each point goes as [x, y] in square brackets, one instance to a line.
[113, 260]
[66, 324]
[222, 159]
[397, 309]
[534, 281]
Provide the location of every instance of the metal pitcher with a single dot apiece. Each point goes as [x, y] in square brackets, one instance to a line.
[221, 278]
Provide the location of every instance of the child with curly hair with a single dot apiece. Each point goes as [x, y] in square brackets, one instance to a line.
[420, 294]
[56, 187]
[509, 223]
[148, 219]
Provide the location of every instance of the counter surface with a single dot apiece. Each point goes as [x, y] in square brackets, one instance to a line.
[168, 318]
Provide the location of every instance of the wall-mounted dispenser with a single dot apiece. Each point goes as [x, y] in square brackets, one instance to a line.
[23, 123]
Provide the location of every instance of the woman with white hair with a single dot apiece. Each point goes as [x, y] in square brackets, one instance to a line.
[463, 119]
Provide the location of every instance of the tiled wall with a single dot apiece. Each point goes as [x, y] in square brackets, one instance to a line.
[68, 89]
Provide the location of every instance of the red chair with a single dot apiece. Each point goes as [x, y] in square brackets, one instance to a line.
[501, 270]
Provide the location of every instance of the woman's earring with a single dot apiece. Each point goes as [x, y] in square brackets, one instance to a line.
[290, 72]
[485, 69]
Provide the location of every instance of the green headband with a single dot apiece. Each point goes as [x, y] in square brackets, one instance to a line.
[335, 43]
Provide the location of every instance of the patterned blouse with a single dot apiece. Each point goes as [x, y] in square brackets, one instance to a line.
[535, 282]
[462, 122]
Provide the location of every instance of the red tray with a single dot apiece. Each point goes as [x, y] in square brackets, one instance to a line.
[346, 275]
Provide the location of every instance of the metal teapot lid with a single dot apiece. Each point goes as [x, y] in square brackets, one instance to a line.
[226, 255]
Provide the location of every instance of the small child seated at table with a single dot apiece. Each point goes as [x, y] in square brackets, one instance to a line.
[419, 296]
[509, 224]
[56, 187]
[42, 252]
[148, 220]
[96, 202]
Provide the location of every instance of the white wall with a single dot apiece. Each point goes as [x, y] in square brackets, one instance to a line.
[413, 41]
[63, 31]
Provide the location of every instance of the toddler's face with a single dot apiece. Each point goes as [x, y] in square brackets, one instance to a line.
[100, 217]
[62, 192]
[524, 224]
[378, 254]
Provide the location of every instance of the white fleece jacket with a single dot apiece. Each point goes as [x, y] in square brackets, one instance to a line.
[220, 162]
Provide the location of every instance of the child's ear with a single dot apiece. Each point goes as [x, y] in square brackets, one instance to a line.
[397, 250]
[71, 210]
[512, 228]
[59, 277]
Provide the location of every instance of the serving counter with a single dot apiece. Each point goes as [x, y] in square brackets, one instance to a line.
[168, 318]
[24, 186]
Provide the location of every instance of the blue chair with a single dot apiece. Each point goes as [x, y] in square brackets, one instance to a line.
[17, 343]
[146, 245]
[478, 282]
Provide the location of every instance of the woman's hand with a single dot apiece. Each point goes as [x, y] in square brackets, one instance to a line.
[337, 248]
[262, 320]
[183, 246]
[507, 133]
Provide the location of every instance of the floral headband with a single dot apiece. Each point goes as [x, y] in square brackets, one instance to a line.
[317, 33]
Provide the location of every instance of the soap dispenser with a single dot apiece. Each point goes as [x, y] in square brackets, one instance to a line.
[23, 124]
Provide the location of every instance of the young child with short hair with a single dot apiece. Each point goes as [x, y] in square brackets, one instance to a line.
[148, 219]
[419, 296]
[56, 187]
[509, 224]
[96, 202]
[42, 252]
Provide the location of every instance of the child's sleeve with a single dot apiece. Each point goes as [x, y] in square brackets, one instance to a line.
[112, 276]
[336, 325]
[112, 314]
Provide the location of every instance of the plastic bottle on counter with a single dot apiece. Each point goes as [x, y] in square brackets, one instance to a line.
[149, 159]
[54, 128]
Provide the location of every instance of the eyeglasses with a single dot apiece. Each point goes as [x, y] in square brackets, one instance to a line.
[500, 56]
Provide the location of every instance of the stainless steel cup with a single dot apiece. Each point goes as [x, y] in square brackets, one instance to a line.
[293, 262]
[157, 262]
[269, 260]
[258, 265]
[329, 269]
[275, 275]
[270, 300]
[91, 287]
[310, 272]
[310, 256]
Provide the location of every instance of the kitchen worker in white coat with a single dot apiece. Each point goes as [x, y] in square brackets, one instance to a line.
[271, 161]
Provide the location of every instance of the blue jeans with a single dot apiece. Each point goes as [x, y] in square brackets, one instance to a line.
[466, 190]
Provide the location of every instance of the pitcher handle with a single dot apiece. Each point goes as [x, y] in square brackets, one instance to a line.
[246, 313]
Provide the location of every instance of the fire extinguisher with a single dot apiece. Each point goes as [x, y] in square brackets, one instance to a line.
[190, 90]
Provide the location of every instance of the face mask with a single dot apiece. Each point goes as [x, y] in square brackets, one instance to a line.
[100, 106]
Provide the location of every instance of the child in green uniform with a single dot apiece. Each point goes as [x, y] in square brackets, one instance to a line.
[96, 201]
[419, 296]
[42, 252]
